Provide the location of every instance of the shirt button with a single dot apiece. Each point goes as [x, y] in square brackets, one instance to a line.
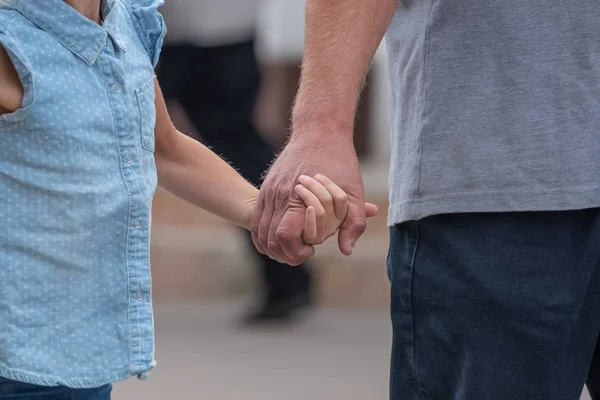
[129, 159]
[116, 89]
[137, 223]
[139, 296]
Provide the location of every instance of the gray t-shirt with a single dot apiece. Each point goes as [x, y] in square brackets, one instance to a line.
[495, 106]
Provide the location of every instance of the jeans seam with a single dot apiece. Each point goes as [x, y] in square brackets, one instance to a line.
[414, 334]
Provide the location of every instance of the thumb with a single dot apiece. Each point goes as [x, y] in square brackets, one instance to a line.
[372, 209]
[351, 229]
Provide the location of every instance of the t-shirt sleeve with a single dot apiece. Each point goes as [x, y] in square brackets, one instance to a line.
[150, 25]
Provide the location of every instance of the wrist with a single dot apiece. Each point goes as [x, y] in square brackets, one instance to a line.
[321, 127]
[248, 209]
[323, 114]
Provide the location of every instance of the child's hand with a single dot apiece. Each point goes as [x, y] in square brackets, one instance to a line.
[326, 208]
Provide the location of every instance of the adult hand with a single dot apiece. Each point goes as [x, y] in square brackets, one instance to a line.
[279, 215]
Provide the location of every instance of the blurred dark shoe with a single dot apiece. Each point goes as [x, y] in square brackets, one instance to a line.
[279, 311]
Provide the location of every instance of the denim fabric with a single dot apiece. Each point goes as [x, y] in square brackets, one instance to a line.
[23, 391]
[77, 177]
[495, 306]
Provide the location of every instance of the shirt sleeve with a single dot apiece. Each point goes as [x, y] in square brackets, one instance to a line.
[150, 25]
[24, 70]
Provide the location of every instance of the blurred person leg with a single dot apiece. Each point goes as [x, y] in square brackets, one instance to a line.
[218, 87]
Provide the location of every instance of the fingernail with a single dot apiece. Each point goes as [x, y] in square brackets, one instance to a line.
[302, 178]
[352, 243]
[299, 188]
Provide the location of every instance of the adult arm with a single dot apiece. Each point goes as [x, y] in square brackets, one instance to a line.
[342, 37]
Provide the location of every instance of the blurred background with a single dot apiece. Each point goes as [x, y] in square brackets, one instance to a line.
[230, 324]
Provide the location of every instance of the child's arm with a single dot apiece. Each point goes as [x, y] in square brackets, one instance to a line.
[11, 90]
[189, 170]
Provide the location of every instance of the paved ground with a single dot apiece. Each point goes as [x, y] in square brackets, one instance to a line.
[202, 354]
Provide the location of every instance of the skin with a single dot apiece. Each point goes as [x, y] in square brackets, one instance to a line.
[11, 90]
[341, 39]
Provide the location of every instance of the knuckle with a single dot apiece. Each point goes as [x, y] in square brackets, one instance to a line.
[283, 195]
[284, 235]
[359, 226]
[321, 213]
[342, 197]
[273, 247]
[311, 241]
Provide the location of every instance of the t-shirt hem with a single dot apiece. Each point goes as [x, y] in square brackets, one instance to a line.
[566, 199]
[73, 383]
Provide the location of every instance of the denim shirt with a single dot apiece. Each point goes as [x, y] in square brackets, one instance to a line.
[77, 177]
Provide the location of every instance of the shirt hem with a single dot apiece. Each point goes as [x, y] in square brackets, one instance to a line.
[567, 199]
[73, 383]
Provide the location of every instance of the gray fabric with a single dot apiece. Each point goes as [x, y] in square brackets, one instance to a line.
[495, 106]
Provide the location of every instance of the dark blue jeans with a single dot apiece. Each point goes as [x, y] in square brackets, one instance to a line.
[22, 391]
[496, 306]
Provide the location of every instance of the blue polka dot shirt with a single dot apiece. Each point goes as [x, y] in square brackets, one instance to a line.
[77, 177]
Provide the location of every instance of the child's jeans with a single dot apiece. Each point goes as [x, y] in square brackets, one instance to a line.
[22, 391]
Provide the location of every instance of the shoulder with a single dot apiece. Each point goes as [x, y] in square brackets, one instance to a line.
[149, 24]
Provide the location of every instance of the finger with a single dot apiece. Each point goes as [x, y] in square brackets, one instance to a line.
[372, 209]
[311, 200]
[352, 228]
[289, 235]
[255, 223]
[322, 194]
[340, 198]
[310, 225]
[263, 230]
[275, 250]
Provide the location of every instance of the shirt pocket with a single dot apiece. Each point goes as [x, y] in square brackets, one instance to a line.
[147, 109]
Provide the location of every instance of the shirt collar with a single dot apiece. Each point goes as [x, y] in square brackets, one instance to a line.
[114, 17]
[80, 35]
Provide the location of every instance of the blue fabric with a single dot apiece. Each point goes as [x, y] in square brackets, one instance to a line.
[496, 306]
[23, 391]
[77, 177]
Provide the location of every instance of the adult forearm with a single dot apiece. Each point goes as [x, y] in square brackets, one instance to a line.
[192, 172]
[342, 37]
